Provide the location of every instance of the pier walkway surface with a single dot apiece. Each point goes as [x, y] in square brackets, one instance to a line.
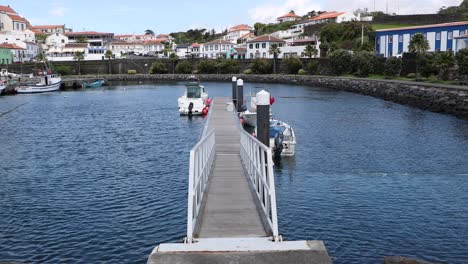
[232, 202]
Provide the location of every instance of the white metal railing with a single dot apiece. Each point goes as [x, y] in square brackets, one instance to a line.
[201, 161]
[258, 162]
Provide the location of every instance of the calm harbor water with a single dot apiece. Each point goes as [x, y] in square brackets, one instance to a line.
[100, 175]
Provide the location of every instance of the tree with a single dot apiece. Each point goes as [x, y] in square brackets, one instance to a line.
[444, 61]
[310, 51]
[340, 61]
[275, 51]
[108, 55]
[149, 32]
[78, 56]
[173, 57]
[81, 39]
[418, 45]
[462, 61]
[41, 38]
[40, 57]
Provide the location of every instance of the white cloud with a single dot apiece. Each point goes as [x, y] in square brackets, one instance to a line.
[57, 9]
[269, 12]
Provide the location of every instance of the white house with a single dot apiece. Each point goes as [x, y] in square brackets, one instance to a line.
[152, 47]
[56, 40]
[10, 20]
[288, 17]
[31, 51]
[296, 47]
[259, 47]
[50, 29]
[92, 37]
[182, 51]
[331, 17]
[120, 48]
[237, 32]
[67, 52]
[216, 48]
[194, 50]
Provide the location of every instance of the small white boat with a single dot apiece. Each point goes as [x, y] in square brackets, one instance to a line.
[47, 83]
[194, 100]
[282, 138]
[2, 87]
[250, 116]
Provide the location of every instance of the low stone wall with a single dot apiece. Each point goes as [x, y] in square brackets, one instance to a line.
[447, 99]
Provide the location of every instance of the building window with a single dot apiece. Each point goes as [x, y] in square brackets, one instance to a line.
[280, 45]
[400, 38]
[438, 36]
[63, 41]
[251, 55]
[390, 39]
[257, 46]
[263, 45]
[216, 47]
[264, 54]
[250, 46]
[450, 35]
[211, 47]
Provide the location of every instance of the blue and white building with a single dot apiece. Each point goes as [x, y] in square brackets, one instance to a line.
[441, 37]
[461, 42]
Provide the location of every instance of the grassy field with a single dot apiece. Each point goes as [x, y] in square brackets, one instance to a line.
[387, 26]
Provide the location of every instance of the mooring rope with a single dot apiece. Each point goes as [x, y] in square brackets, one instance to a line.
[11, 110]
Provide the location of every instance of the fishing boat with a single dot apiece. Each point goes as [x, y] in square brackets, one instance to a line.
[282, 138]
[47, 83]
[94, 84]
[195, 100]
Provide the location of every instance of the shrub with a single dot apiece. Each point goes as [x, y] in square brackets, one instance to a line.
[444, 61]
[64, 70]
[293, 65]
[426, 64]
[364, 63]
[392, 67]
[184, 67]
[207, 66]
[248, 71]
[132, 72]
[261, 66]
[312, 67]
[411, 76]
[462, 61]
[302, 72]
[158, 67]
[228, 66]
[340, 61]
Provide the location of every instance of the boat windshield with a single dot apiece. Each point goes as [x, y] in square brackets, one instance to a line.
[275, 130]
[193, 92]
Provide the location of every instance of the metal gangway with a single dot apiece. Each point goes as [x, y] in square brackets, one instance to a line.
[231, 209]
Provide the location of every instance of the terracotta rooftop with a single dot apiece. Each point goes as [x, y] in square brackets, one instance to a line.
[328, 15]
[250, 34]
[7, 9]
[48, 26]
[17, 18]
[289, 15]
[218, 41]
[195, 45]
[266, 38]
[123, 36]
[10, 46]
[426, 26]
[243, 27]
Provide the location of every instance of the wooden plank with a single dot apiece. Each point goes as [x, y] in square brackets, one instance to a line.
[230, 209]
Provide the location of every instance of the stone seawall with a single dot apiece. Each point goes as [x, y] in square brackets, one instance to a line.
[440, 98]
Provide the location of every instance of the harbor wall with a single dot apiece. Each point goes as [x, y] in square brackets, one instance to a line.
[439, 98]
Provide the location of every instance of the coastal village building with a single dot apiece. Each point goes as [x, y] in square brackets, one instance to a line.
[50, 29]
[237, 32]
[67, 52]
[182, 51]
[121, 48]
[18, 53]
[441, 37]
[98, 39]
[194, 50]
[31, 51]
[55, 40]
[236, 53]
[259, 47]
[242, 41]
[296, 47]
[216, 48]
[10, 20]
[6, 54]
[288, 17]
[461, 42]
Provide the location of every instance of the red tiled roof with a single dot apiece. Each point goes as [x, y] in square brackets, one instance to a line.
[87, 33]
[36, 31]
[153, 41]
[266, 38]
[48, 26]
[195, 45]
[248, 35]
[289, 15]
[328, 15]
[461, 23]
[7, 9]
[17, 18]
[10, 46]
[218, 41]
[242, 27]
[123, 36]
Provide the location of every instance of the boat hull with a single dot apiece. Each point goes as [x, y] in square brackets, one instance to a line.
[39, 88]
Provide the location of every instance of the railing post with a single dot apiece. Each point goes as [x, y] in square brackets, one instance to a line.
[240, 95]
[263, 117]
[190, 198]
[234, 93]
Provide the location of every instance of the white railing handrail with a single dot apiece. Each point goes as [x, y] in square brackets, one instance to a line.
[258, 162]
[201, 161]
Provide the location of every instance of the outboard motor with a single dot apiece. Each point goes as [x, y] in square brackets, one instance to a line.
[190, 107]
[278, 144]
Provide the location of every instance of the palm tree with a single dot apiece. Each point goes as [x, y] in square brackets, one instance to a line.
[78, 56]
[418, 45]
[108, 55]
[149, 32]
[275, 50]
[310, 50]
[444, 61]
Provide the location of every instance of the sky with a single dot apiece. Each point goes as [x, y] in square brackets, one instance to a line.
[135, 16]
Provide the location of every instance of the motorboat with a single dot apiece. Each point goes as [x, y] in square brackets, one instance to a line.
[195, 99]
[250, 115]
[2, 86]
[282, 138]
[47, 83]
[94, 84]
